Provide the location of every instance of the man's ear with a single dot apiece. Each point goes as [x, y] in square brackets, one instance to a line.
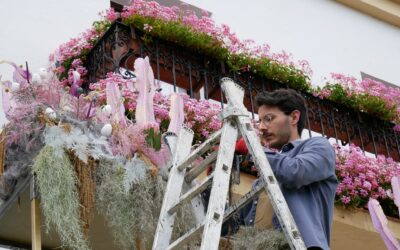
[295, 117]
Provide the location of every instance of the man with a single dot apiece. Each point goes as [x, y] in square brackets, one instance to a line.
[305, 169]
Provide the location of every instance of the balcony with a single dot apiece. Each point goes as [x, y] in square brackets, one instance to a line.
[196, 73]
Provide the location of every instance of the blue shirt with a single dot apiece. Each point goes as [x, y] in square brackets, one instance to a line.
[306, 173]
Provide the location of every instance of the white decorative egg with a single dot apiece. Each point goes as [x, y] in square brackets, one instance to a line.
[15, 86]
[43, 73]
[36, 79]
[106, 130]
[50, 113]
[107, 110]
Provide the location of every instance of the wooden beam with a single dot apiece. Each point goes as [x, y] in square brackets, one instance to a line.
[384, 10]
[36, 220]
[36, 224]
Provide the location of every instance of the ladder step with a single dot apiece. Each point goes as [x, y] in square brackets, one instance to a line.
[189, 195]
[177, 244]
[211, 141]
[243, 201]
[195, 171]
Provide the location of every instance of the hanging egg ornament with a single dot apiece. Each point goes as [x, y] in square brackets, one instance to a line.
[107, 110]
[50, 113]
[106, 130]
[15, 86]
[36, 79]
[43, 73]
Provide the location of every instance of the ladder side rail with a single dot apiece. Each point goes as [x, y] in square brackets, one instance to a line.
[272, 186]
[173, 190]
[179, 243]
[220, 187]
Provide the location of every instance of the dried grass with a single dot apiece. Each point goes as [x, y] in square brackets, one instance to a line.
[259, 239]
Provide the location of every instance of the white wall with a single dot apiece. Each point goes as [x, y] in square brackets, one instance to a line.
[332, 37]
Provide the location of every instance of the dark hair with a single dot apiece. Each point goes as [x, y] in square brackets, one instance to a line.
[286, 100]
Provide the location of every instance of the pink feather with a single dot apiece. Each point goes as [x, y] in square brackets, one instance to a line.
[20, 75]
[176, 114]
[396, 191]
[7, 101]
[380, 223]
[114, 99]
[145, 85]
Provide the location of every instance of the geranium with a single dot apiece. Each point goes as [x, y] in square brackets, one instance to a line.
[362, 177]
[203, 35]
[366, 95]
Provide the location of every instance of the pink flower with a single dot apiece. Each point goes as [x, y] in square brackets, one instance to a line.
[345, 199]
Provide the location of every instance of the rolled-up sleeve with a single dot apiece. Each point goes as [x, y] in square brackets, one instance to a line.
[314, 163]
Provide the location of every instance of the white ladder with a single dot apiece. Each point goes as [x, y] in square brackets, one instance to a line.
[235, 119]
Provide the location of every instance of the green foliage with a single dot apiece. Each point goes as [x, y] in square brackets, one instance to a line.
[164, 124]
[203, 43]
[373, 105]
[257, 239]
[153, 139]
[176, 33]
[57, 185]
[376, 106]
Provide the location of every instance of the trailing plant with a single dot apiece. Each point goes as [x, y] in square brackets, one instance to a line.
[57, 184]
[131, 201]
[257, 239]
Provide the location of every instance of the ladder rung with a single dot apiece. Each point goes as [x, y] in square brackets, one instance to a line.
[178, 243]
[189, 195]
[195, 171]
[243, 201]
[200, 150]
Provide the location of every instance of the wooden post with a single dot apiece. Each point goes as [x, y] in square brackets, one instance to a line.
[36, 220]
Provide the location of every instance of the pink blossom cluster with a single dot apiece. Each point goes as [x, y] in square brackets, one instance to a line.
[200, 115]
[222, 33]
[362, 177]
[353, 87]
[151, 9]
[75, 47]
[372, 87]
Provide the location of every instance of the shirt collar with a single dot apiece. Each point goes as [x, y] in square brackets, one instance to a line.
[290, 145]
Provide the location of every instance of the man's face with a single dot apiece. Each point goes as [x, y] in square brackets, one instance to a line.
[275, 126]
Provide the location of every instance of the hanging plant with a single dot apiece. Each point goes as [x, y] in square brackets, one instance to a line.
[58, 188]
